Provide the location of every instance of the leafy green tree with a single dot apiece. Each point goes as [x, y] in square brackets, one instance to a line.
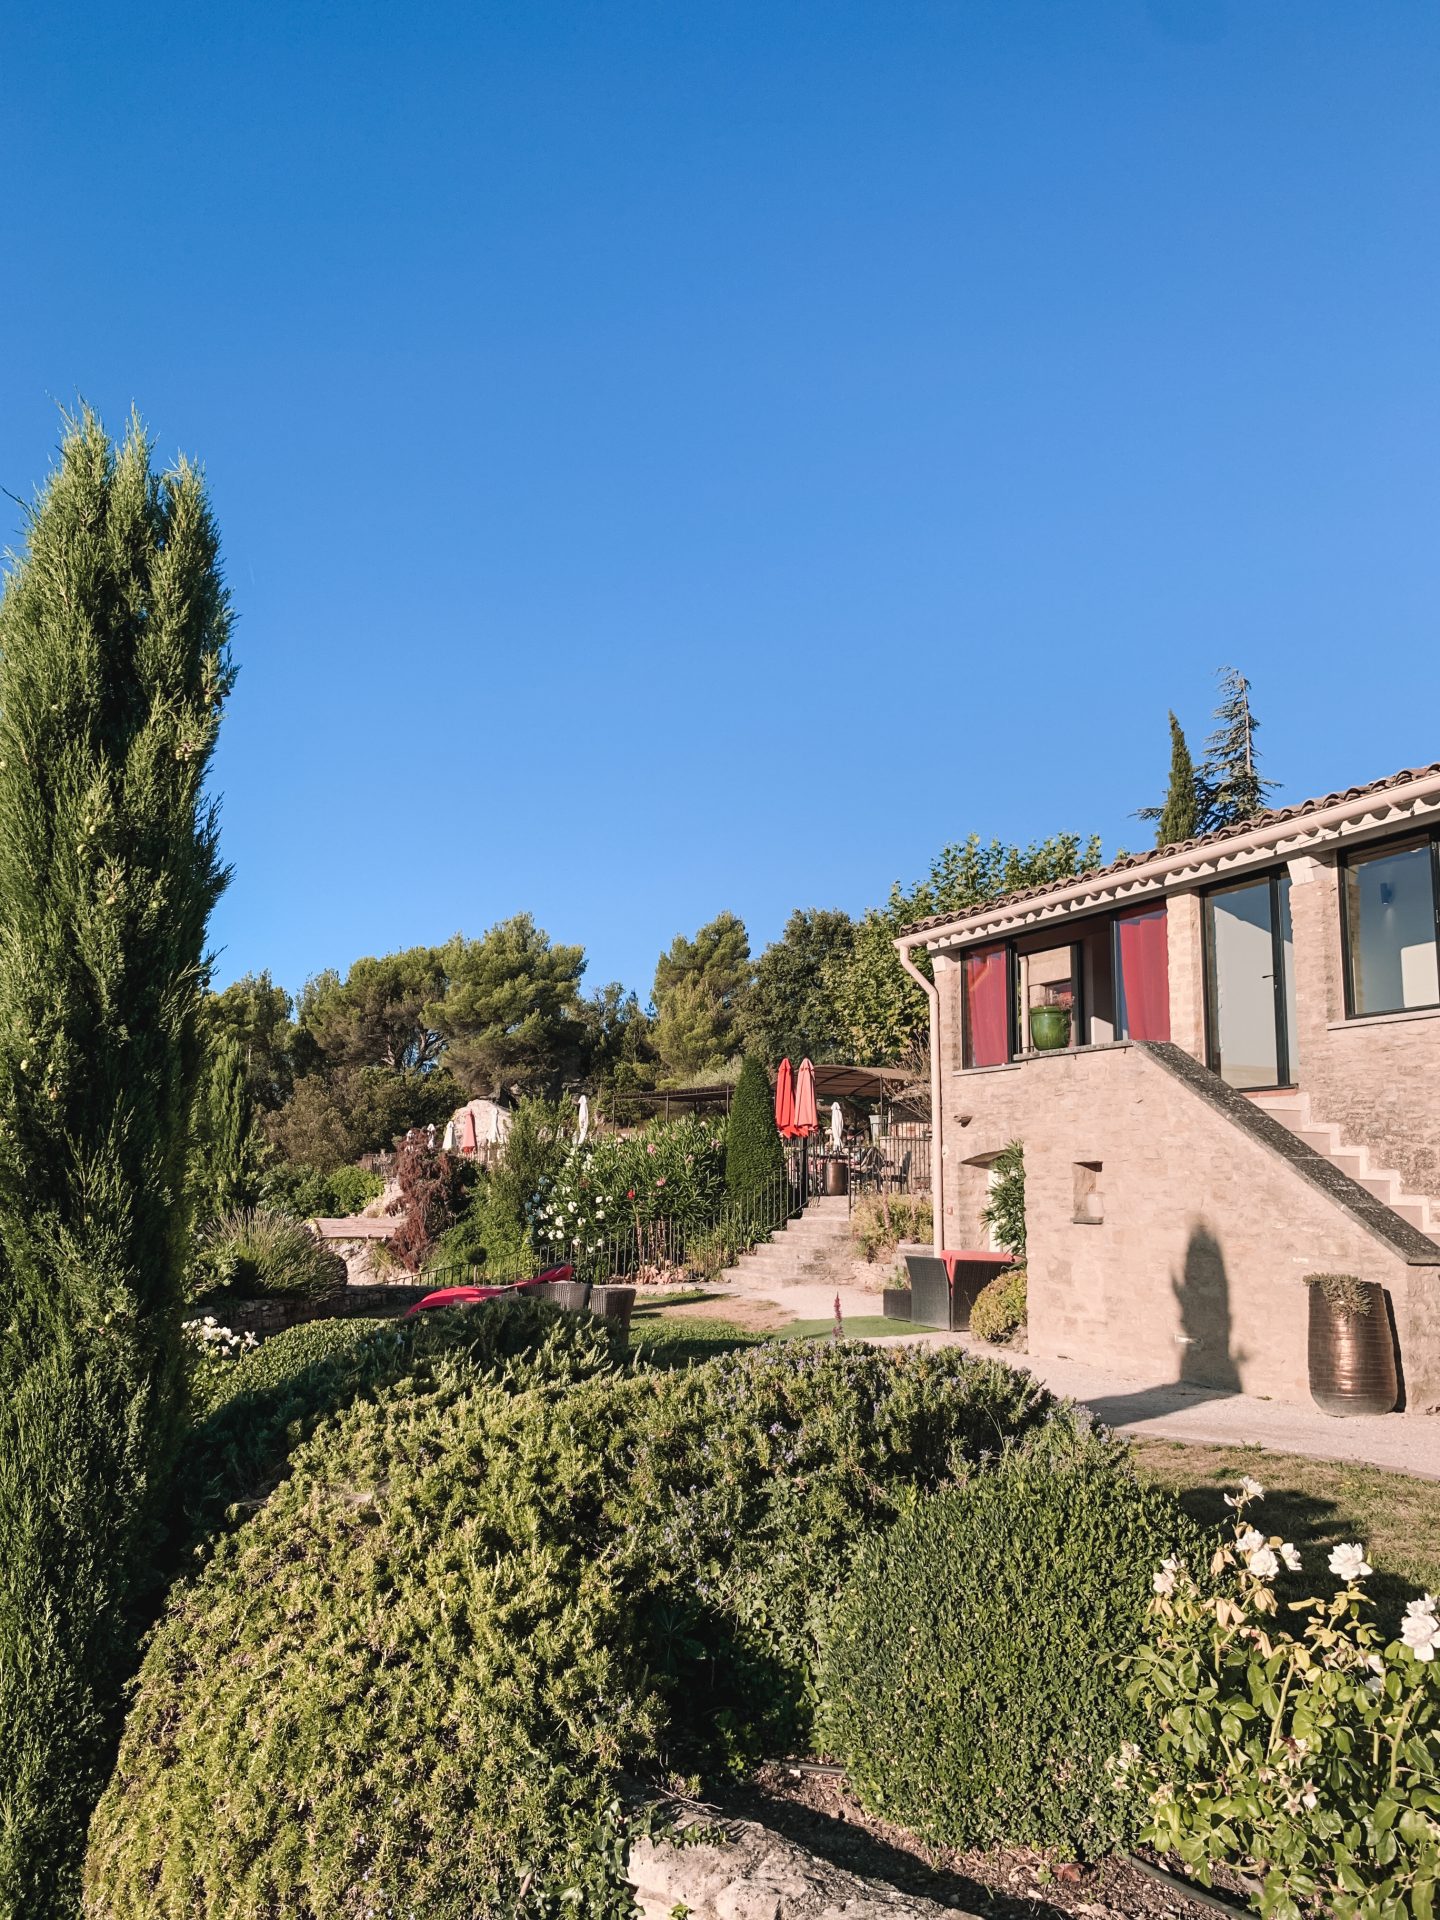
[620, 1054]
[380, 1014]
[790, 1010]
[228, 1149]
[1230, 784]
[754, 1157]
[511, 1015]
[1179, 818]
[700, 990]
[114, 667]
[881, 1009]
[258, 1016]
[332, 1118]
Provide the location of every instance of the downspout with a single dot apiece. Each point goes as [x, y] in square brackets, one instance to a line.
[937, 1150]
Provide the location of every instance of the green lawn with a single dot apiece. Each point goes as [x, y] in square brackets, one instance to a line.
[668, 1340]
[863, 1327]
[1315, 1503]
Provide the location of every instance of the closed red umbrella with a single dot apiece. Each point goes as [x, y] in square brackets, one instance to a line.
[784, 1101]
[806, 1120]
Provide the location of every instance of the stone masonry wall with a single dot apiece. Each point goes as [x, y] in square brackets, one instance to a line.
[1165, 1242]
[1378, 1079]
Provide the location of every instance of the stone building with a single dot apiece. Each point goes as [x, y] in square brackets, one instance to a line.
[1223, 1061]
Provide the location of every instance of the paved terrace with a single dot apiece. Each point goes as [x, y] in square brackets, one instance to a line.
[1157, 1410]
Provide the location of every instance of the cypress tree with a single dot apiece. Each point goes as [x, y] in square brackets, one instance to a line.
[754, 1157]
[1179, 818]
[228, 1149]
[114, 667]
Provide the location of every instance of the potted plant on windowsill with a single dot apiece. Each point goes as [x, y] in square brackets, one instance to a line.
[1351, 1348]
[1050, 1027]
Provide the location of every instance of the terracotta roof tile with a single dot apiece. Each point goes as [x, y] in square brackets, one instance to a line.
[1267, 817]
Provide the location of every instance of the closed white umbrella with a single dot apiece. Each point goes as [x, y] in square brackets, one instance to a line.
[837, 1125]
[584, 1127]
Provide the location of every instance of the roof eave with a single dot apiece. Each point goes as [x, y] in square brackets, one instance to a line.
[1187, 866]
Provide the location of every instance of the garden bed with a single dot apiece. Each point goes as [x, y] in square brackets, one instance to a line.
[818, 1811]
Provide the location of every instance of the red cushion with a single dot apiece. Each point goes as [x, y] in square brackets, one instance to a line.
[472, 1296]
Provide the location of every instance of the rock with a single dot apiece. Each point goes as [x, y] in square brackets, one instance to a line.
[757, 1875]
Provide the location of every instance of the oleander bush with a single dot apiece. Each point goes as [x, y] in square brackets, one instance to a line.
[414, 1680]
[971, 1680]
[1001, 1307]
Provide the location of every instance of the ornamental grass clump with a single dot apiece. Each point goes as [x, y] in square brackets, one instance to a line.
[415, 1680]
[1307, 1757]
[971, 1679]
[258, 1252]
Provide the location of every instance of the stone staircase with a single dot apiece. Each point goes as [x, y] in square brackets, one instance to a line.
[800, 1254]
[1292, 1110]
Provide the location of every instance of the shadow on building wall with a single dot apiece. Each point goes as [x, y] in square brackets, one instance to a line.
[1202, 1291]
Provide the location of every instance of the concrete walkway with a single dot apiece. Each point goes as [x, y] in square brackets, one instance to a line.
[1152, 1410]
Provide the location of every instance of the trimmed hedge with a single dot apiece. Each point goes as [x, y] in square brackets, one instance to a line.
[414, 1680]
[264, 1406]
[971, 1680]
[1001, 1307]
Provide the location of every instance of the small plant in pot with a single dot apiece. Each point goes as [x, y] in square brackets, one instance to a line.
[1050, 1027]
[1351, 1348]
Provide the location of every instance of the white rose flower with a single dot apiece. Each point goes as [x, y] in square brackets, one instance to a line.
[1421, 1630]
[1249, 1490]
[1164, 1580]
[1291, 1557]
[1250, 1541]
[1263, 1563]
[1348, 1560]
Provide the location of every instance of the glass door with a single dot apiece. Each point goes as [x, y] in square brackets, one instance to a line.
[1249, 978]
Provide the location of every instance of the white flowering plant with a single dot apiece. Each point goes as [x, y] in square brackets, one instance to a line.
[212, 1348]
[1305, 1758]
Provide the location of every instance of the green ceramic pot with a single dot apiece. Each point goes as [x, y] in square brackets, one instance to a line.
[1049, 1028]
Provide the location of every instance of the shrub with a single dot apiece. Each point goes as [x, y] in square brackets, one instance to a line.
[970, 1680]
[1001, 1307]
[259, 1252]
[260, 1410]
[754, 1157]
[1004, 1210]
[430, 1198]
[310, 1194]
[1308, 1759]
[412, 1681]
[880, 1221]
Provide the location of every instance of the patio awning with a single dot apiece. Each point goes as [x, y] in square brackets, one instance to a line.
[859, 1083]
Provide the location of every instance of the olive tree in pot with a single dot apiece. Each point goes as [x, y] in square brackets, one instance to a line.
[1351, 1348]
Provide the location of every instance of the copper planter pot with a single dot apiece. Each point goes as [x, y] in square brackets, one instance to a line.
[1352, 1356]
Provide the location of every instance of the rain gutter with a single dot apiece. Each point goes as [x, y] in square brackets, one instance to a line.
[937, 1150]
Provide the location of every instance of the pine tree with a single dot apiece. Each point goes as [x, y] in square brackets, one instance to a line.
[754, 1157]
[228, 1148]
[1179, 818]
[1230, 784]
[113, 670]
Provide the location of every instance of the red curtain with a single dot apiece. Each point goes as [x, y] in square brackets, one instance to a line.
[984, 981]
[1144, 973]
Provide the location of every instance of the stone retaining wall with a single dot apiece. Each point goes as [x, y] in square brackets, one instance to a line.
[272, 1316]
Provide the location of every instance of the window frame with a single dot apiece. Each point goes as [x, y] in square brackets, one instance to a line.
[1284, 1065]
[1352, 857]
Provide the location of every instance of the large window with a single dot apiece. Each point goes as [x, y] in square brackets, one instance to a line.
[985, 1006]
[1142, 972]
[1390, 929]
[1249, 982]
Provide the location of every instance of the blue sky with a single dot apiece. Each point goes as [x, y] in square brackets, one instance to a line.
[675, 457]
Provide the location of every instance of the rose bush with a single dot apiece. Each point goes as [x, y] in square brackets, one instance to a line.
[1308, 1759]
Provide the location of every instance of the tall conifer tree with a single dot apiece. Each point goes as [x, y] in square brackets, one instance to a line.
[1184, 808]
[114, 667]
[1230, 779]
